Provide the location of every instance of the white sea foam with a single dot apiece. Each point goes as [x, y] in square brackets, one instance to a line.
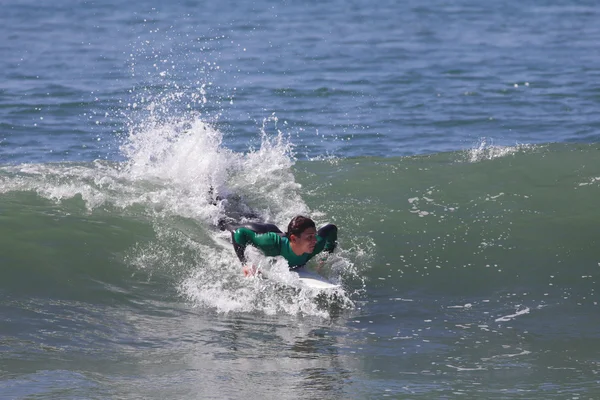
[485, 149]
[591, 181]
[434, 208]
[507, 318]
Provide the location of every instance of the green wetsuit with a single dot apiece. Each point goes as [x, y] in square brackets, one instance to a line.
[273, 243]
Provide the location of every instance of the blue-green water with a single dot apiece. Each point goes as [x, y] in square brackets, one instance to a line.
[454, 145]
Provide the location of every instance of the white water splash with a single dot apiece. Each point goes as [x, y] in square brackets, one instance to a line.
[507, 318]
[201, 177]
[591, 181]
[216, 285]
[485, 149]
[183, 181]
[427, 206]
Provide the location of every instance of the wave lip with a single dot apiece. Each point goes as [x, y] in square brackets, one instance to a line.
[485, 149]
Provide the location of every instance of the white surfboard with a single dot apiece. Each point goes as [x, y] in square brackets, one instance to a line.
[313, 280]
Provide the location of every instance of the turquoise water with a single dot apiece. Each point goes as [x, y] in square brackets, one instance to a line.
[454, 145]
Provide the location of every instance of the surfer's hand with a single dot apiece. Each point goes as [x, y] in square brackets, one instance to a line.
[319, 266]
[320, 263]
[249, 270]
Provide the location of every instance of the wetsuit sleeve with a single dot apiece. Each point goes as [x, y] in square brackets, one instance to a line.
[329, 235]
[269, 243]
[326, 240]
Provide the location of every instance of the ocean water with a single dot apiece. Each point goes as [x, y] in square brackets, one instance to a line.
[455, 146]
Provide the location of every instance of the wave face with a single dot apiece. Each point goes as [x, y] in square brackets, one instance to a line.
[526, 216]
[529, 213]
[436, 253]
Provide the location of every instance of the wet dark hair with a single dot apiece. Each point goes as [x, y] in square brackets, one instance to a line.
[299, 224]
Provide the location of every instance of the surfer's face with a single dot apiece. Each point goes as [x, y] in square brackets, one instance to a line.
[307, 240]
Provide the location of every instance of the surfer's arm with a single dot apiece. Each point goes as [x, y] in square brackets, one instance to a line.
[239, 240]
[329, 234]
[326, 241]
[269, 243]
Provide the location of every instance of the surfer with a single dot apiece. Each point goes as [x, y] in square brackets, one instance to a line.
[299, 244]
